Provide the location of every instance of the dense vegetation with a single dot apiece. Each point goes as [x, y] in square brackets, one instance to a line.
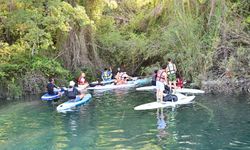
[207, 39]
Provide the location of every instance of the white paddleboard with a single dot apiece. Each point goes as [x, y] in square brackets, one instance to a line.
[72, 103]
[182, 90]
[186, 90]
[182, 99]
[146, 88]
[111, 86]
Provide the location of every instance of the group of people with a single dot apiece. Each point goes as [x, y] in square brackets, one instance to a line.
[165, 77]
[119, 78]
[73, 93]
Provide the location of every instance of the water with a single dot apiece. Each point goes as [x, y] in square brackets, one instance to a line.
[109, 122]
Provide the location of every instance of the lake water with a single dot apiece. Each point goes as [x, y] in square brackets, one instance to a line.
[109, 122]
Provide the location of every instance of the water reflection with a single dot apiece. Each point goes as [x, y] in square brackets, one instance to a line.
[161, 124]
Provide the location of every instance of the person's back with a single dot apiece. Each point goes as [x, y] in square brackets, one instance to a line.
[72, 92]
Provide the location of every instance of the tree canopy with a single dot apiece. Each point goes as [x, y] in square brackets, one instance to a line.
[205, 38]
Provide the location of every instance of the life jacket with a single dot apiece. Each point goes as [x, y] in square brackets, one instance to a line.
[71, 93]
[171, 69]
[106, 75]
[160, 76]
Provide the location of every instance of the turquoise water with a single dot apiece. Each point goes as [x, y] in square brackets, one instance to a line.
[109, 122]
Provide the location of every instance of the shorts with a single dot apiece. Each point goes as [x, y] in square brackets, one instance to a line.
[160, 86]
[172, 77]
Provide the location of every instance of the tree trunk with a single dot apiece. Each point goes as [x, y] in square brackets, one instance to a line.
[78, 52]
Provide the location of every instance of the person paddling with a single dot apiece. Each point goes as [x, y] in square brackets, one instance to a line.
[52, 89]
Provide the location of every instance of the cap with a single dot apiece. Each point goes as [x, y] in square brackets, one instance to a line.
[71, 83]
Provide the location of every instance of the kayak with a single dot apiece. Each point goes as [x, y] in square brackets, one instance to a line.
[182, 99]
[48, 97]
[73, 103]
[182, 90]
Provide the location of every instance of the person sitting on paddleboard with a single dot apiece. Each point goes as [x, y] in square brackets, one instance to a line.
[107, 74]
[121, 77]
[73, 93]
[82, 82]
[52, 89]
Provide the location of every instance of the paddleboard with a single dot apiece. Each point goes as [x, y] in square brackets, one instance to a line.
[182, 99]
[146, 88]
[73, 103]
[182, 90]
[48, 97]
[104, 82]
[111, 86]
[186, 90]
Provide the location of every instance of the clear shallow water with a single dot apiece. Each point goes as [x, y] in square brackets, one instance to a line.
[109, 122]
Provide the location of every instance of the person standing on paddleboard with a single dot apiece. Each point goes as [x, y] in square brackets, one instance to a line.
[161, 81]
[171, 70]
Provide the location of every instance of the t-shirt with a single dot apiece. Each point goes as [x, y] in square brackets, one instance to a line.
[72, 92]
[50, 88]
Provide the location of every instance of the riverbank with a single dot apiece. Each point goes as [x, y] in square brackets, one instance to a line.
[226, 86]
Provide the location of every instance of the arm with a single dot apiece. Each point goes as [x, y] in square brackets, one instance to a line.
[166, 78]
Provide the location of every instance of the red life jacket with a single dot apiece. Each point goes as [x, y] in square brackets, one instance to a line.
[160, 77]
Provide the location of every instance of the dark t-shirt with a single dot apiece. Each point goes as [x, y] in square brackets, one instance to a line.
[71, 94]
[50, 88]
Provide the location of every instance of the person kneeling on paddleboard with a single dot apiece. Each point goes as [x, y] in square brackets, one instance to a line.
[168, 96]
[73, 93]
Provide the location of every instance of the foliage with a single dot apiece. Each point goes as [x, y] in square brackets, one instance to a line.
[14, 89]
[203, 38]
[49, 67]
